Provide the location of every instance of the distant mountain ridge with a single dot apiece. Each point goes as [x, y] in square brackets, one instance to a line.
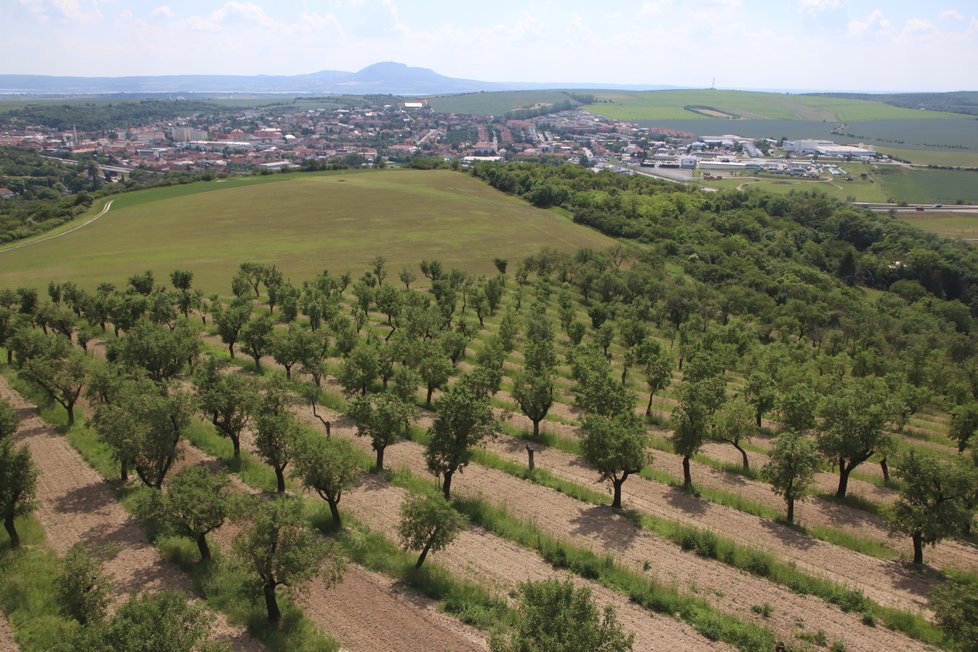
[380, 78]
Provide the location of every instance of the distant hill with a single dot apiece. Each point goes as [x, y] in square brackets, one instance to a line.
[380, 78]
[956, 102]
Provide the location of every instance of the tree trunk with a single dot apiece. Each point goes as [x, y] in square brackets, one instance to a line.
[257, 363]
[743, 455]
[648, 408]
[427, 400]
[380, 458]
[424, 553]
[918, 548]
[791, 508]
[231, 350]
[10, 357]
[124, 471]
[334, 511]
[446, 486]
[271, 604]
[687, 477]
[624, 375]
[886, 470]
[529, 458]
[8, 525]
[70, 409]
[288, 371]
[758, 420]
[205, 551]
[616, 499]
[236, 443]
[843, 480]
[280, 479]
[536, 428]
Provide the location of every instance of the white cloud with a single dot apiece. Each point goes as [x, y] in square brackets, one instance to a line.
[816, 6]
[915, 26]
[653, 7]
[163, 11]
[73, 11]
[874, 22]
[951, 14]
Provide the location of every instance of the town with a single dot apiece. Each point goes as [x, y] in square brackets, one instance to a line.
[255, 140]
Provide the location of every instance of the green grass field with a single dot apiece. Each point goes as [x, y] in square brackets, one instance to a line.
[303, 223]
[668, 105]
[928, 186]
[954, 225]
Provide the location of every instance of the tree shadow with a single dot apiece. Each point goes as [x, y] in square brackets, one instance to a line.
[686, 501]
[788, 535]
[612, 527]
[917, 580]
[84, 500]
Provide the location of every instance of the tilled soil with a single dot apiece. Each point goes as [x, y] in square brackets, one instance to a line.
[76, 506]
[7, 643]
[502, 565]
[606, 532]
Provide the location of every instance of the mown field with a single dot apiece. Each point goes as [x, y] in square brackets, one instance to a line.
[954, 225]
[303, 223]
[928, 186]
[669, 105]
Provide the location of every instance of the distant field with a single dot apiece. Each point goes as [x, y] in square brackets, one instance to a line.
[933, 156]
[862, 191]
[928, 186]
[669, 105]
[955, 225]
[497, 103]
[303, 223]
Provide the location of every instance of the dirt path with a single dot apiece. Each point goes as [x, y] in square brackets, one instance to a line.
[105, 209]
[501, 564]
[605, 532]
[366, 611]
[7, 642]
[76, 505]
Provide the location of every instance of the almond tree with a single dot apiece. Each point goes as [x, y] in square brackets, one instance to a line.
[792, 467]
[937, 500]
[328, 467]
[227, 399]
[851, 426]
[197, 502]
[18, 483]
[384, 418]
[428, 524]
[464, 420]
[282, 550]
[278, 433]
[615, 446]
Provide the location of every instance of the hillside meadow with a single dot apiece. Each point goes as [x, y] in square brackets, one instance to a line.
[302, 223]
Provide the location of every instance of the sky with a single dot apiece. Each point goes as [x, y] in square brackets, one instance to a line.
[870, 45]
